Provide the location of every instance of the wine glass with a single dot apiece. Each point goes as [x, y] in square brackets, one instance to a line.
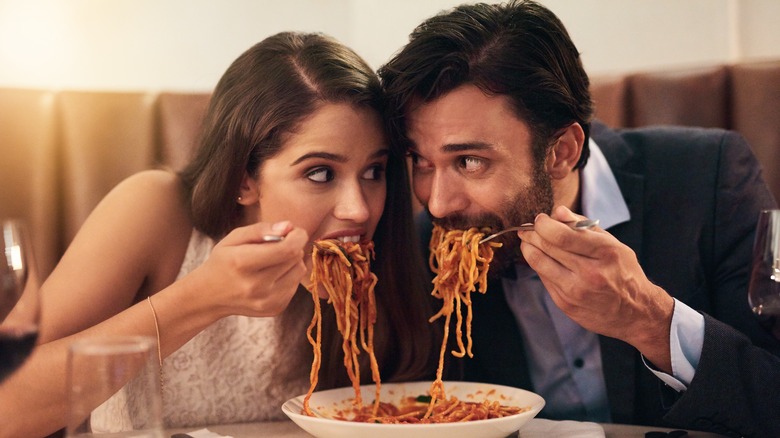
[764, 288]
[19, 305]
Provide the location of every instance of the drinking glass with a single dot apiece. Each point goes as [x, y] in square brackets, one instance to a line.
[19, 305]
[764, 288]
[98, 371]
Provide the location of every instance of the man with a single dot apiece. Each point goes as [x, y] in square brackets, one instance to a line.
[492, 104]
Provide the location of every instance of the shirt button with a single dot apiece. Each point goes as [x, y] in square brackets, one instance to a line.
[579, 363]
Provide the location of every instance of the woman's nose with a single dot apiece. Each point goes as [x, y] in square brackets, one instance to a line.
[352, 204]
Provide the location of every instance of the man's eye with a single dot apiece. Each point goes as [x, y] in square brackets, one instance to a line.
[320, 175]
[418, 161]
[472, 164]
[374, 172]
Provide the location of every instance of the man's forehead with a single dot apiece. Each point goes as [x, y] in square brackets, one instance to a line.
[465, 115]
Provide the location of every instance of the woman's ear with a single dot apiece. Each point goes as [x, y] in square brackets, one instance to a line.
[248, 192]
[566, 151]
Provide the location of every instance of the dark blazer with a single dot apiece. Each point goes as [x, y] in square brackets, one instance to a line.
[694, 197]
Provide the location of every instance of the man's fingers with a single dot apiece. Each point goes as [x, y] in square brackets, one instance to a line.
[563, 214]
[559, 240]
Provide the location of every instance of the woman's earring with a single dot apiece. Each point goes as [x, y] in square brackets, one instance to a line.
[239, 199]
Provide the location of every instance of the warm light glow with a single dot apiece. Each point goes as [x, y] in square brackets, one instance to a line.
[35, 41]
[14, 254]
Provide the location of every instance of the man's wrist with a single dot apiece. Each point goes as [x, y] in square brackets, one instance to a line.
[653, 335]
[686, 341]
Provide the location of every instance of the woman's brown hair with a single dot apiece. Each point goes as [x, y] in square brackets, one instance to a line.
[263, 96]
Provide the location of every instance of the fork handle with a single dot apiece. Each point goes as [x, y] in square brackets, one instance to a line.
[577, 225]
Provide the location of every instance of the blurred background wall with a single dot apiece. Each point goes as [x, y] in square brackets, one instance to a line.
[92, 91]
[186, 45]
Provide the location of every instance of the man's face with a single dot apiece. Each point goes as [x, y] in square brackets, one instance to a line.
[472, 164]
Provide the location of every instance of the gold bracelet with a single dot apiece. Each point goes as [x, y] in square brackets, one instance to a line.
[159, 350]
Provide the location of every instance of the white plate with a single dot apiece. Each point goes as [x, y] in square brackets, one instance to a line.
[333, 400]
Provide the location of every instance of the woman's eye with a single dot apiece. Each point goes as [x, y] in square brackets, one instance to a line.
[472, 164]
[374, 172]
[320, 175]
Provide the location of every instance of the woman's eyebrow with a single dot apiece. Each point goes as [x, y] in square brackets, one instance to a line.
[335, 157]
[323, 155]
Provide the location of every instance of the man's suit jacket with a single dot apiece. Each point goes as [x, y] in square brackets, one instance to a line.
[694, 196]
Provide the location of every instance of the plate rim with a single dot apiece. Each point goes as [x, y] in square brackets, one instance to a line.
[534, 408]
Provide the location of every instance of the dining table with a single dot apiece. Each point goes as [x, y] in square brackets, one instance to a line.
[288, 429]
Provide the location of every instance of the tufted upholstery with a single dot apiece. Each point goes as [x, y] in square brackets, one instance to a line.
[743, 97]
[61, 152]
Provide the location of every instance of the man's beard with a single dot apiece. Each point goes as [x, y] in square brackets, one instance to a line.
[521, 207]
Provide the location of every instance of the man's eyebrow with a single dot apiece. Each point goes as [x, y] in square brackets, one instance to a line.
[461, 147]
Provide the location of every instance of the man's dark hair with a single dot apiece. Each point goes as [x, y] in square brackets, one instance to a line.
[518, 49]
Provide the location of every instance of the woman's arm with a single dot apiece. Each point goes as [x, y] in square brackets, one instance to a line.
[131, 247]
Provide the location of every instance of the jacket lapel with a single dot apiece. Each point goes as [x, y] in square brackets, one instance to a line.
[620, 360]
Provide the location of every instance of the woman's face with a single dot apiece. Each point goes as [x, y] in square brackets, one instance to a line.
[329, 175]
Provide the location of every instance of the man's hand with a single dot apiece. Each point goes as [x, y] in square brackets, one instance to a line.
[597, 281]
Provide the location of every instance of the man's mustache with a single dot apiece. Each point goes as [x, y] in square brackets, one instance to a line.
[463, 222]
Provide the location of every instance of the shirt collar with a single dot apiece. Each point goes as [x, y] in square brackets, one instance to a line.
[601, 196]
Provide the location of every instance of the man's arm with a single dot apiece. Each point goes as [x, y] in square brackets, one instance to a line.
[745, 401]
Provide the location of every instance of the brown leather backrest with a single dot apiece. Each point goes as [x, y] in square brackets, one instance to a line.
[756, 114]
[106, 137]
[610, 99]
[60, 153]
[180, 116]
[687, 97]
[743, 97]
[28, 174]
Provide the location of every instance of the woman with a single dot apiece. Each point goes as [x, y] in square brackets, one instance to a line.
[292, 145]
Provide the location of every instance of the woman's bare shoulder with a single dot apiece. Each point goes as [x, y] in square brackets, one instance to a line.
[150, 191]
[151, 184]
[148, 207]
[155, 198]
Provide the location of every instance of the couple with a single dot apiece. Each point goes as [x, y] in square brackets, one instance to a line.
[491, 104]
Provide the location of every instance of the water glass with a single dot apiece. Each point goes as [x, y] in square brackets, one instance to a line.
[101, 372]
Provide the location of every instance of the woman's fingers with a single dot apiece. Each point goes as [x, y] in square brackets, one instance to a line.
[257, 233]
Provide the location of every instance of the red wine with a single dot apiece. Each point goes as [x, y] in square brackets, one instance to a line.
[15, 347]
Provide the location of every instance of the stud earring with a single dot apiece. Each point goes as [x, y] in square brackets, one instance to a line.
[239, 199]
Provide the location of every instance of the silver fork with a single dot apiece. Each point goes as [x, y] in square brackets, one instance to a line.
[577, 225]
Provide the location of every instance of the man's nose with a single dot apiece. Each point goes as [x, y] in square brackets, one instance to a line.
[446, 196]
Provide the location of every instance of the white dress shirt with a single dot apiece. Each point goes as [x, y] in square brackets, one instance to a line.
[564, 358]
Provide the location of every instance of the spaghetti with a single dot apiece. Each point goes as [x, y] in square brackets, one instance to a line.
[460, 262]
[414, 410]
[343, 270]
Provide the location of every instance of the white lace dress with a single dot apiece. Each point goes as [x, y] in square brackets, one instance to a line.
[222, 375]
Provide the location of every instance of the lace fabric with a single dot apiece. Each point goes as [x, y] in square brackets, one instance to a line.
[222, 375]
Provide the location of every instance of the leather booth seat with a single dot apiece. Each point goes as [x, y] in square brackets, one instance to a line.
[61, 152]
[742, 97]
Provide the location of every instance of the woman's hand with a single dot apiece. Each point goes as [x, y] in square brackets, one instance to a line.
[244, 275]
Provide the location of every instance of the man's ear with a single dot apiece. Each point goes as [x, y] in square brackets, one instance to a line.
[566, 151]
[248, 192]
